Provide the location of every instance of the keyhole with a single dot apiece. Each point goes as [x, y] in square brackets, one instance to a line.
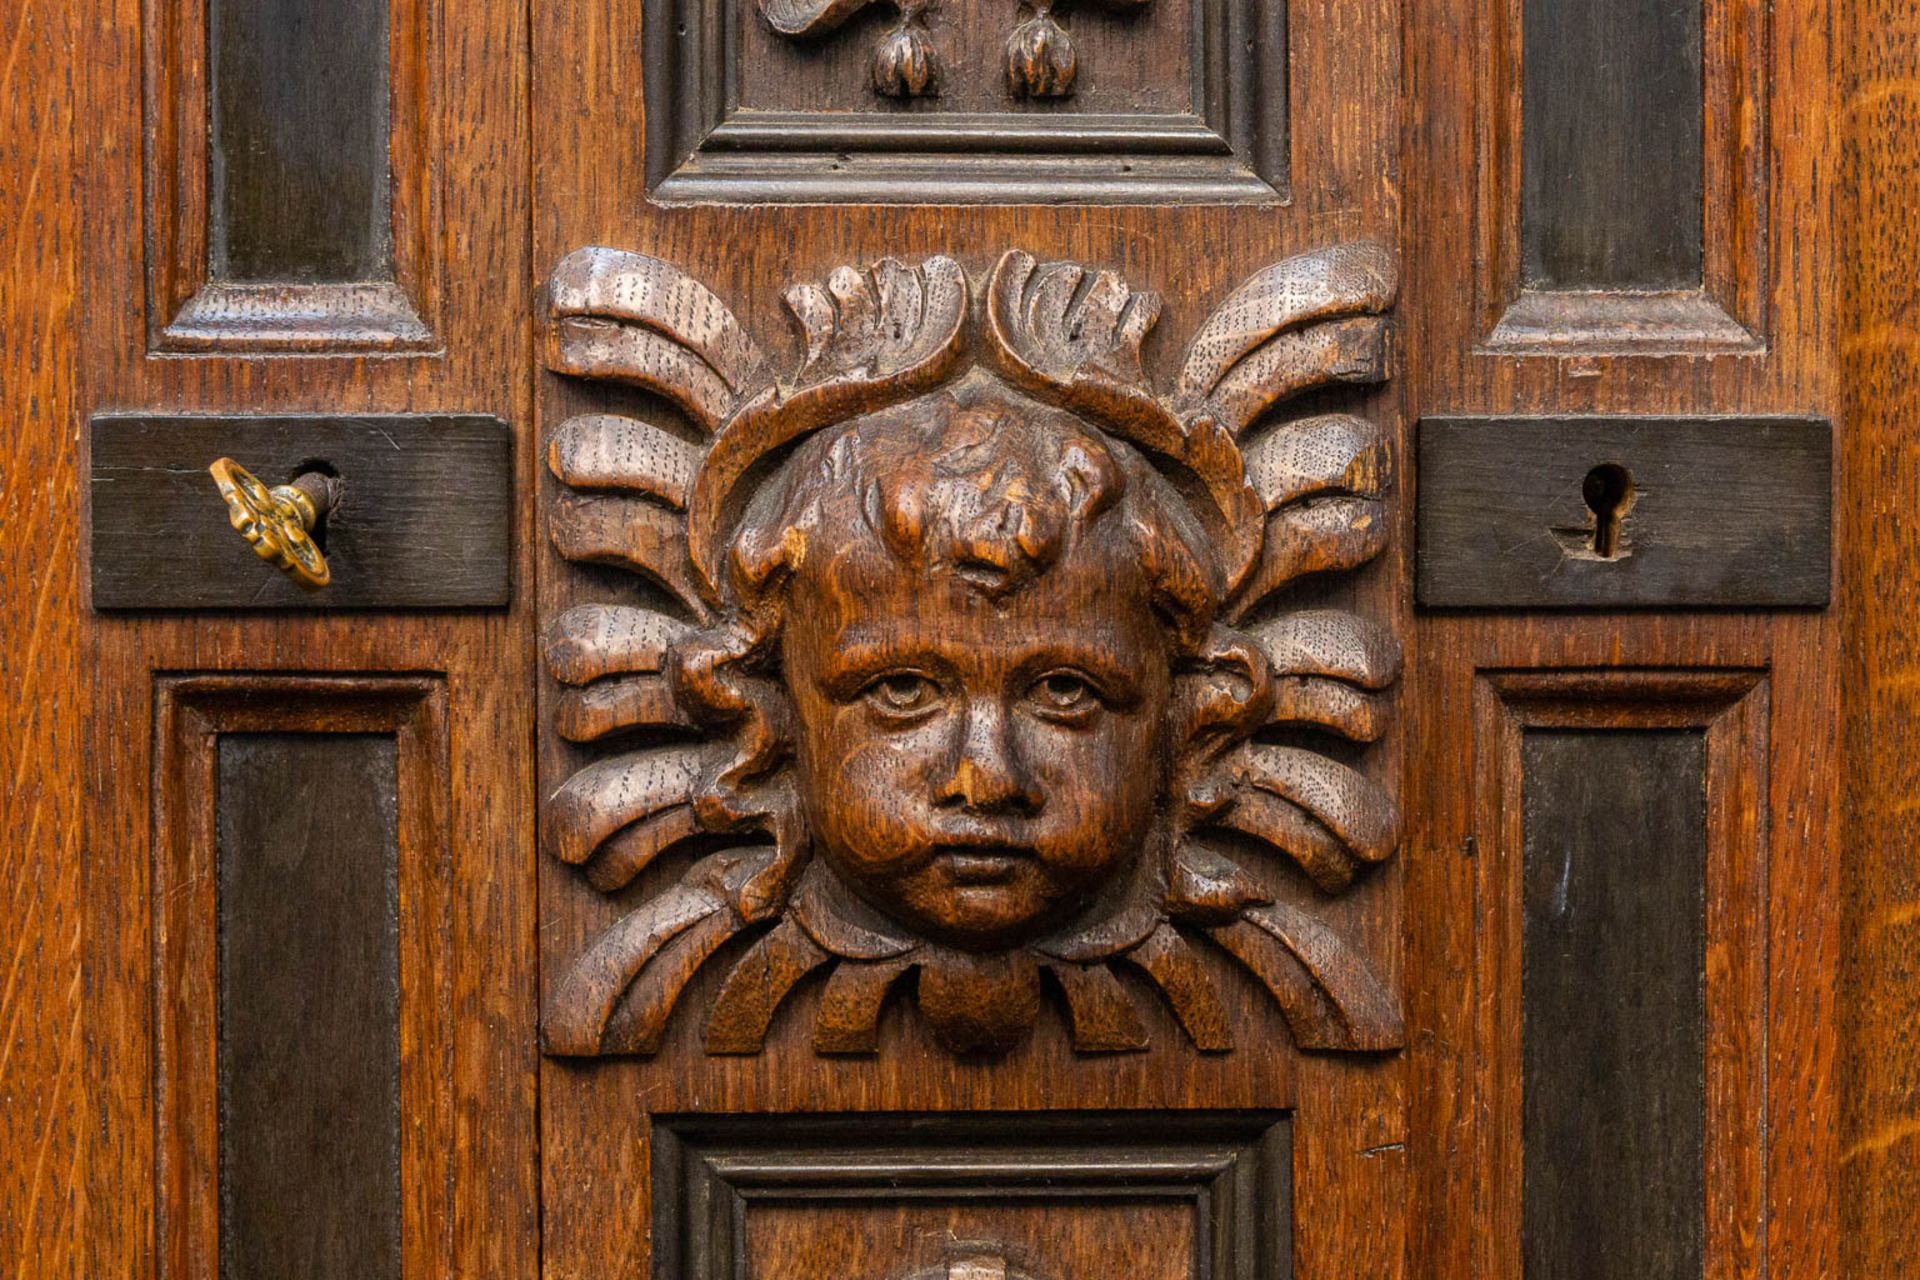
[1608, 490]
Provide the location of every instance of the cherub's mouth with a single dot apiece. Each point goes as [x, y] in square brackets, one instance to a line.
[984, 862]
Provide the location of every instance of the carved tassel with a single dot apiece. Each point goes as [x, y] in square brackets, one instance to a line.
[1041, 62]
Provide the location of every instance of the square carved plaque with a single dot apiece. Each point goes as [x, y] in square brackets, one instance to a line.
[1203, 1195]
[1177, 101]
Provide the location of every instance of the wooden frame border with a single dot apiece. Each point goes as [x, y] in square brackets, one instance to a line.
[1234, 1169]
[187, 311]
[1732, 708]
[1728, 312]
[1232, 147]
[191, 712]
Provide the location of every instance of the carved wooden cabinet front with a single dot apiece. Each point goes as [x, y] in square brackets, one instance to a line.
[964, 640]
[972, 639]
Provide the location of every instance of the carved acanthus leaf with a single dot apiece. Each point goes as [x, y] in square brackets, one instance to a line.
[1073, 337]
[874, 339]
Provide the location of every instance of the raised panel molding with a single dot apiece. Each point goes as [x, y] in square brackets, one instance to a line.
[1224, 139]
[1201, 1195]
[204, 799]
[1707, 779]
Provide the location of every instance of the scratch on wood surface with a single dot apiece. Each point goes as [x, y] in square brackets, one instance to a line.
[1883, 1139]
[1898, 916]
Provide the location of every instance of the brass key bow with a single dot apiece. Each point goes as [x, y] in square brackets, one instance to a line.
[278, 522]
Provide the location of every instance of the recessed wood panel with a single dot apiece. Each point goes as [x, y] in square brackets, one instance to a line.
[424, 519]
[303, 1119]
[291, 202]
[1611, 154]
[299, 152]
[1177, 101]
[309, 1006]
[1199, 1196]
[1702, 513]
[1613, 1076]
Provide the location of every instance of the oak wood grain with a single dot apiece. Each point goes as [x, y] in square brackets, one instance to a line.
[43, 1006]
[1874, 180]
[463, 160]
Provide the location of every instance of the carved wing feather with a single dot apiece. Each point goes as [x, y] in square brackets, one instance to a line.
[632, 849]
[1206, 887]
[809, 17]
[606, 451]
[1352, 350]
[632, 289]
[595, 640]
[1328, 453]
[639, 1021]
[607, 796]
[1326, 989]
[1103, 1015]
[1329, 667]
[584, 1000]
[628, 533]
[1281, 824]
[1309, 702]
[1357, 278]
[1332, 643]
[758, 985]
[1330, 819]
[1177, 970]
[609, 352]
[1355, 808]
[1320, 535]
[616, 705]
[849, 1017]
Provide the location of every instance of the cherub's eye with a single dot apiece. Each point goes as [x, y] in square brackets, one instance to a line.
[1063, 694]
[902, 693]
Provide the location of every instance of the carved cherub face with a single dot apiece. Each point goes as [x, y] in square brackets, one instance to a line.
[977, 661]
[976, 645]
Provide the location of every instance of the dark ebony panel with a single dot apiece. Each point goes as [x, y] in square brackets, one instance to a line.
[424, 520]
[309, 1034]
[1612, 164]
[299, 149]
[1614, 1001]
[1601, 513]
[722, 1182]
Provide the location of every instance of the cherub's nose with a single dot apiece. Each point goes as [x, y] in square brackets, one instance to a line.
[986, 772]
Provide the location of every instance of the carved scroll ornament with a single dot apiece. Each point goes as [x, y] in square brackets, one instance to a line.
[982, 658]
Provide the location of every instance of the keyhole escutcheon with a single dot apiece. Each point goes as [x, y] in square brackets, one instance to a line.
[1608, 490]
